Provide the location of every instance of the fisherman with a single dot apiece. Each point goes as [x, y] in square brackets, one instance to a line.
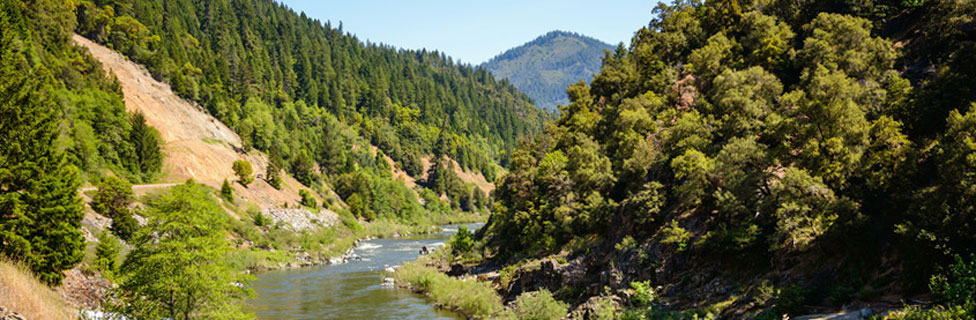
[424, 251]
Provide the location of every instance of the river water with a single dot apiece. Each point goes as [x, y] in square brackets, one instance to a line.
[351, 290]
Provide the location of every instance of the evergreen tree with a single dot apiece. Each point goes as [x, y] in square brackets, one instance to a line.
[113, 197]
[40, 211]
[226, 191]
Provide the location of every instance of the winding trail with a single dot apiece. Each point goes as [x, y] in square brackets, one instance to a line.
[138, 186]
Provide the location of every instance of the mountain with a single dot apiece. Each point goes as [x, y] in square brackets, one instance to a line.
[123, 118]
[544, 67]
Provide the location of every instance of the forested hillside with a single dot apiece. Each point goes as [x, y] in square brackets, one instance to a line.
[761, 158]
[268, 72]
[62, 121]
[544, 67]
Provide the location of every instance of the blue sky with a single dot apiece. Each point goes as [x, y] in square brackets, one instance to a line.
[475, 31]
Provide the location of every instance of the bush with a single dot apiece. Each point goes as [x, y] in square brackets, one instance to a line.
[470, 297]
[675, 234]
[124, 225]
[107, 254]
[260, 220]
[936, 313]
[227, 192]
[957, 285]
[114, 196]
[462, 241]
[643, 294]
[243, 170]
[307, 199]
[538, 305]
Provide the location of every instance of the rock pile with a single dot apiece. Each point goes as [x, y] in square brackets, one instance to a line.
[84, 291]
[299, 219]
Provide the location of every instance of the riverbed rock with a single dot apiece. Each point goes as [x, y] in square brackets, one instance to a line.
[388, 283]
[457, 270]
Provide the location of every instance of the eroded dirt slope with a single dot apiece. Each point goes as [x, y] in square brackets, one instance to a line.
[197, 145]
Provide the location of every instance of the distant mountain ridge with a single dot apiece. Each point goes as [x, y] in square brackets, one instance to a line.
[544, 67]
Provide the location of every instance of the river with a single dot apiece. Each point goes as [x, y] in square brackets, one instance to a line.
[351, 290]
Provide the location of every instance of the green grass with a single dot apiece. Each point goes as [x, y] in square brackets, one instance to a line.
[212, 141]
[471, 297]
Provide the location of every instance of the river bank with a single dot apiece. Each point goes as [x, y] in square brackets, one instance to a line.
[353, 289]
[334, 245]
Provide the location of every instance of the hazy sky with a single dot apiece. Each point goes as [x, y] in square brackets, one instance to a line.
[475, 31]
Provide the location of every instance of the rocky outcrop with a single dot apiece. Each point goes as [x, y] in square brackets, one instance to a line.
[84, 291]
[299, 219]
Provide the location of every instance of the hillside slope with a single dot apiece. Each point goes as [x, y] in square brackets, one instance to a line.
[22, 294]
[197, 146]
[544, 67]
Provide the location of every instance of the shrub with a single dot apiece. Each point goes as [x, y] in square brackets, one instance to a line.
[470, 297]
[260, 220]
[124, 225]
[107, 254]
[227, 192]
[307, 199]
[538, 305]
[675, 234]
[114, 196]
[643, 294]
[957, 285]
[936, 313]
[462, 241]
[243, 170]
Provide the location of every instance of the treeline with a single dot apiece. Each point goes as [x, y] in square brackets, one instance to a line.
[767, 133]
[269, 73]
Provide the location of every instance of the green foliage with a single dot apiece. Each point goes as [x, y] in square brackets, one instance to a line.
[273, 176]
[957, 285]
[538, 305]
[113, 197]
[243, 170]
[462, 241]
[312, 90]
[124, 225]
[307, 199]
[107, 254]
[675, 234]
[643, 294]
[146, 143]
[473, 298]
[544, 67]
[40, 211]
[260, 220]
[178, 268]
[935, 313]
[227, 192]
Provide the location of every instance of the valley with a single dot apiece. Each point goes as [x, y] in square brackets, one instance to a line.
[237, 159]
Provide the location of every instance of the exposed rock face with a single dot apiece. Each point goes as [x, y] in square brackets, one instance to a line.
[302, 219]
[595, 307]
[545, 277]
[84, 291]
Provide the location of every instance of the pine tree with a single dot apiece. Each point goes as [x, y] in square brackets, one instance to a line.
[40, 211]
[226, 191]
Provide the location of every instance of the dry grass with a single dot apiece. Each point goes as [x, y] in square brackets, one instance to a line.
[22, 293]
